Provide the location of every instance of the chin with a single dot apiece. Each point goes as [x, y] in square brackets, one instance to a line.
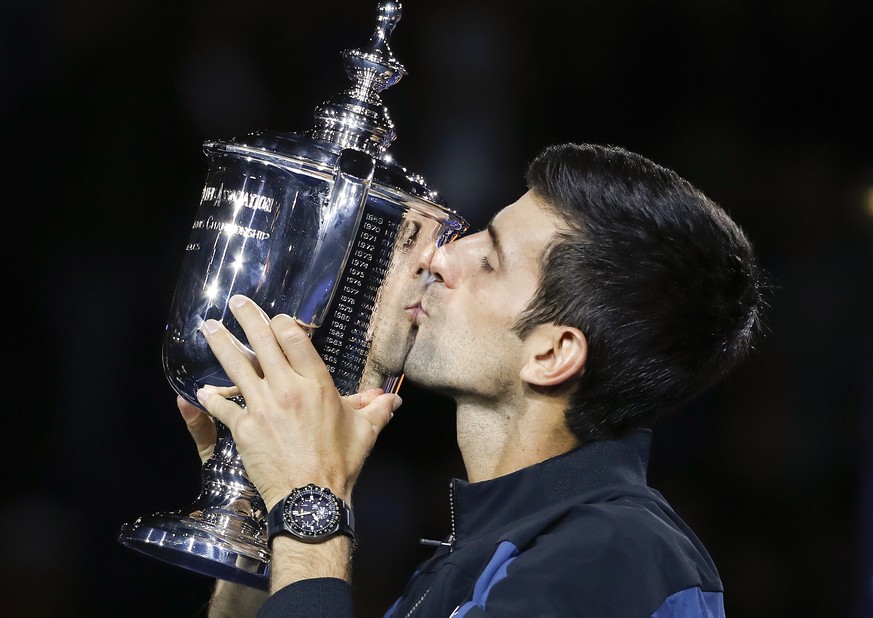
[414, 369]
[425, 373]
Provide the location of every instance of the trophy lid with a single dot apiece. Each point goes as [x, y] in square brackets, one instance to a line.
[356, 118]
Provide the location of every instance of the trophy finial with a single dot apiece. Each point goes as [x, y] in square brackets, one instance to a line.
[356, 118]
[389, 15]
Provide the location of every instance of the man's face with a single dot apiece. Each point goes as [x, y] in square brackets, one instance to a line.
[481, 283]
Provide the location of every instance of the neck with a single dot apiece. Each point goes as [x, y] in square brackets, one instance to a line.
[499, 439]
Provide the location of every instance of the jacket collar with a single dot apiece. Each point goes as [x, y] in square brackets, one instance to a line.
[487, 505]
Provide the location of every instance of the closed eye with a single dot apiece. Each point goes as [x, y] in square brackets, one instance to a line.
[486, 266]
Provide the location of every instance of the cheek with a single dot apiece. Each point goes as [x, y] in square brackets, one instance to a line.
[488, 325]
[501, 305]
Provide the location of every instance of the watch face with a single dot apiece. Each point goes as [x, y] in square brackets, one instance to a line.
[312, 511]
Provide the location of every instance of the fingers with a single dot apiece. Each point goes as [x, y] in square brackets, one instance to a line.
[200, 426]
[239, 364]
[277, 343]
[298, 348]
[295, 424]
[247, 353]
[223, 409]
[224, 391]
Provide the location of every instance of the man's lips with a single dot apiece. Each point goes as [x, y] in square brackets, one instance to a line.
[416, 310]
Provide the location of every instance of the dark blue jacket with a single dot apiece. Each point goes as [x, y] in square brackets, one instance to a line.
[580, 534]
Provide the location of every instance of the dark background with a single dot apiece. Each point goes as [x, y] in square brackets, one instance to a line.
[104, 106]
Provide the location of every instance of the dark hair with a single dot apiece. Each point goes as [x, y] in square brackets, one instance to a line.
[661, 281]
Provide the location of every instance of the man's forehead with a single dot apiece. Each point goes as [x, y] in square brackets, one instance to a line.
[526, 206]
[526, 225]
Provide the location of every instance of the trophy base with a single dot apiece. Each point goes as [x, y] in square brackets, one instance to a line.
[199, 546]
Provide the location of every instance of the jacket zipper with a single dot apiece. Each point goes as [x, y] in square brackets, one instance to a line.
[450, 543]
[452, 514]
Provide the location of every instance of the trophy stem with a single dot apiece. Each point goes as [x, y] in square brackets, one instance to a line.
[222, 534]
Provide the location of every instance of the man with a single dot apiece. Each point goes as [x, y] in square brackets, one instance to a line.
[609, 293]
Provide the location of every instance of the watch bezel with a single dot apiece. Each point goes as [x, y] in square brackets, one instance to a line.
[331, 524]
[281, 518]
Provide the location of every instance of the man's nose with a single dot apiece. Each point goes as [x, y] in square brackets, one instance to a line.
[435, 261]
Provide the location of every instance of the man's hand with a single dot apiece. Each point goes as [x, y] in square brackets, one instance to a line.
[295, 428]
[288, 565]
[202, 428]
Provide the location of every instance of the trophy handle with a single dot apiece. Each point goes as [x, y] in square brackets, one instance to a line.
[337, 230]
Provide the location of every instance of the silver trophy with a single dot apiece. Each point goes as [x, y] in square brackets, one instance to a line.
[323, 226]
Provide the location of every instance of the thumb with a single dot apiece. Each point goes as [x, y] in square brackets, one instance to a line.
[200, 426]
[381, 410]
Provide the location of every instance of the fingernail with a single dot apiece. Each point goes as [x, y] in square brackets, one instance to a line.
[236, 301]
[202, 395]
[209, 326]
[396, 403]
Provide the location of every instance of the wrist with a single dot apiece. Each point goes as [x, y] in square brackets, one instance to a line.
[293, 560]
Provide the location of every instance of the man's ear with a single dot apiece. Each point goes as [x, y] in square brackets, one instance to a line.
[556, 354]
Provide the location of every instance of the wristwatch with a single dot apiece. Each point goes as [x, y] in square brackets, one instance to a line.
[311, 514]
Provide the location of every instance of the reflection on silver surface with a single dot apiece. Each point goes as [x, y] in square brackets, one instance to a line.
[323, 227]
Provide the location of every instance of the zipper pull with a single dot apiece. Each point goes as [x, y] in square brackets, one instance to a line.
[432, 543]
